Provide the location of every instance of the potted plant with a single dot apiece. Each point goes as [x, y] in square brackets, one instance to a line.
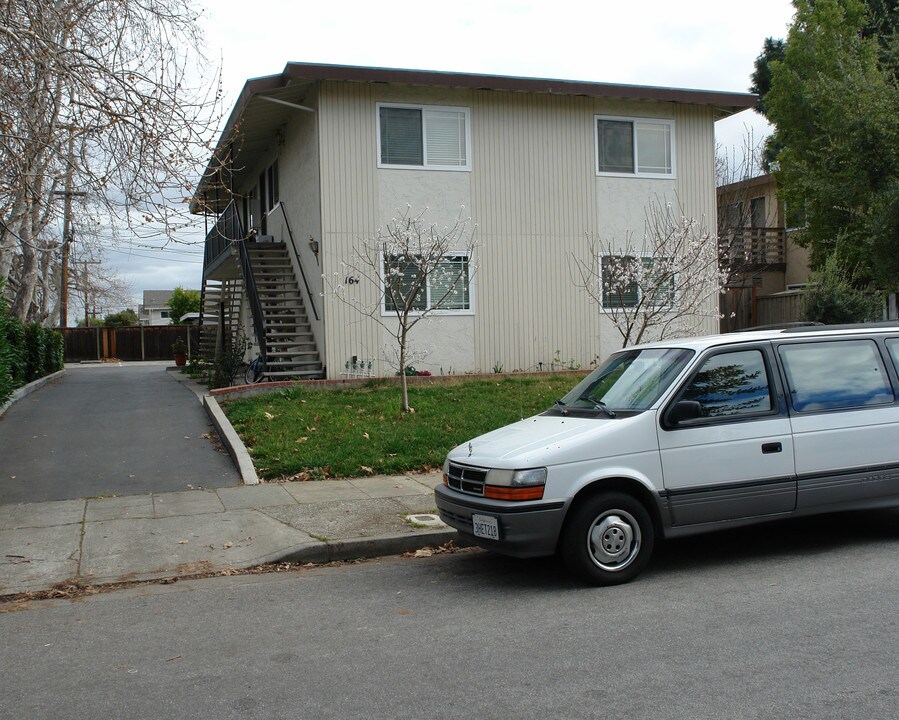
[179, 350]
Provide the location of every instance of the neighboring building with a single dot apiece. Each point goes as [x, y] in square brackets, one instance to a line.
[762, 258]
[154, 310]
[319, 156]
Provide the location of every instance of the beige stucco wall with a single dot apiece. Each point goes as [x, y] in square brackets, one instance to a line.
[534, 195]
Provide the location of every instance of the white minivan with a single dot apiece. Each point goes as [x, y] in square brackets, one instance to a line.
[686, 436]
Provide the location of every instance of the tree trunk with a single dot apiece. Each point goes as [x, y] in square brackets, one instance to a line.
[27, 282]
[404, 407]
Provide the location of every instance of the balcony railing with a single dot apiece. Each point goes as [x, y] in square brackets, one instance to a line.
[227, 233]
[755, 248]
[226, 230]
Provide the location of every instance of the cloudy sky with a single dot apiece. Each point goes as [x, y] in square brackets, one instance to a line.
[704, 44]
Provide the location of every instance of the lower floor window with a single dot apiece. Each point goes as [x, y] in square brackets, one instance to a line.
[630, 281]
[446, 286]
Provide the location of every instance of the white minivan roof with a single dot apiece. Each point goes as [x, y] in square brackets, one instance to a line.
[789, 333]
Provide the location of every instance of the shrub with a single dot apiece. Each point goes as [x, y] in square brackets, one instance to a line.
[14, 334]
[7, 353]
[35, 352]
[57, 345]
[228, 361]
[830, 298]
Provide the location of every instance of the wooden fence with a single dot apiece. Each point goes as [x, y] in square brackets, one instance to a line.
[741, 308]
[128, 343]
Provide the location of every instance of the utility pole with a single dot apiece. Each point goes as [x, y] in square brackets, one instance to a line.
[87, 320]
[67, 236]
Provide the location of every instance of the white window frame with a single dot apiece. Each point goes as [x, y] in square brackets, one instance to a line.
[428, 310]
[424, 108]
[669, 123]
[610, 309]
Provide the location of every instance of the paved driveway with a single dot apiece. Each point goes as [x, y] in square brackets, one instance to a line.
[108, 430]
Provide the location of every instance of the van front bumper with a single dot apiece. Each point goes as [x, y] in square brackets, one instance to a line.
[525, 529]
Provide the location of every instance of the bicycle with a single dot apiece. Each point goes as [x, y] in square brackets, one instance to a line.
[254, 372]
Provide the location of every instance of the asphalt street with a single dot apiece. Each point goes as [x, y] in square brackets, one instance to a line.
[787, 620]
[111, 429]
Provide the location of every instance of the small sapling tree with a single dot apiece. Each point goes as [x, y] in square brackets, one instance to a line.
[413, 269]
[665, 285]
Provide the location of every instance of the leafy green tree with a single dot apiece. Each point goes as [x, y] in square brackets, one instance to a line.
[183, 302]
[837, 139]
[125, 318]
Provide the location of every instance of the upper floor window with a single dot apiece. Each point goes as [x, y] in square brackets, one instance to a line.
[426, 136]
[642, 147]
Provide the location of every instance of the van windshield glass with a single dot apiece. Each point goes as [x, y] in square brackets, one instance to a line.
[629, 380]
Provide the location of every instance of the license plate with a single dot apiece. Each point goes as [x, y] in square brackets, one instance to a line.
[485, 526]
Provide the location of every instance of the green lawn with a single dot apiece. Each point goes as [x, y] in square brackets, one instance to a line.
[314, 433]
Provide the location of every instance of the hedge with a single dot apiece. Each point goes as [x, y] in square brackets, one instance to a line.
[26, 352]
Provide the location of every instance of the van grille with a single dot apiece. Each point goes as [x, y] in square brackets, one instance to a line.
[467, 479]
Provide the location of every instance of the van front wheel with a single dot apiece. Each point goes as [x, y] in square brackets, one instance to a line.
[608, 539]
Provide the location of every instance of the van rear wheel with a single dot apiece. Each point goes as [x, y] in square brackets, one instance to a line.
[608, 539]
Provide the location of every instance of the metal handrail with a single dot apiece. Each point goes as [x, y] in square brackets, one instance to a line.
[299, 261]
[228, 232]
[249, 282]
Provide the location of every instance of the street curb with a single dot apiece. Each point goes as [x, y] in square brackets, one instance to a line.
[370, 547]
[21, 392]
[318, 553]
[231, 440]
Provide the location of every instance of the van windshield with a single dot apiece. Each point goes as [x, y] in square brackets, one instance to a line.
[631, 380]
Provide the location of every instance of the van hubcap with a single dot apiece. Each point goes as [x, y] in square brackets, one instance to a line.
[614, 540]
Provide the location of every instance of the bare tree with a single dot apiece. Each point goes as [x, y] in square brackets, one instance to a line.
[97, 110]
[666, 284]
[413, 269]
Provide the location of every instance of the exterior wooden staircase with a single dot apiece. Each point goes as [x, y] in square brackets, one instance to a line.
[231, 293]
[291, 351]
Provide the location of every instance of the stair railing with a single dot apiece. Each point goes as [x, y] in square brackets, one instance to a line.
[249, 283]
[299, 260]
[228, 230]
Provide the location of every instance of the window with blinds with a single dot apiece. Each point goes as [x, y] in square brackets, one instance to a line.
[627, 280]
[431, 137]
[446, 288]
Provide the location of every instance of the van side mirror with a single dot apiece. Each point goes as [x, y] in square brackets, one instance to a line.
[685, 410]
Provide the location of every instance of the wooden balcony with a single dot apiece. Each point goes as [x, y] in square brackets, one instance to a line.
[753, 249]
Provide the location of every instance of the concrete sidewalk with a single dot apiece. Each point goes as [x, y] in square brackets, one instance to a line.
[139, 537]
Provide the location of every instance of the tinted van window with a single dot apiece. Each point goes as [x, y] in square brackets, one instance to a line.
[893, 347]
[833, 375]
[730, 384]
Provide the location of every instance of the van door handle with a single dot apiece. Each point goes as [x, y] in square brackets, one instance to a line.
[769, 448]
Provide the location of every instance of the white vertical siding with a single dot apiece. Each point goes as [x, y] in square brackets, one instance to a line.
[696, 178]
[349, 212]
[534, 195]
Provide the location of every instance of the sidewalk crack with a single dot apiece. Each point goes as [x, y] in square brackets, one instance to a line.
[80, 549]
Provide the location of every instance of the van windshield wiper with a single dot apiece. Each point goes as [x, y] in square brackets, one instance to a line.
[597, 405]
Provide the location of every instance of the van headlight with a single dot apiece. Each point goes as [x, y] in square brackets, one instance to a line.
[515, 484]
